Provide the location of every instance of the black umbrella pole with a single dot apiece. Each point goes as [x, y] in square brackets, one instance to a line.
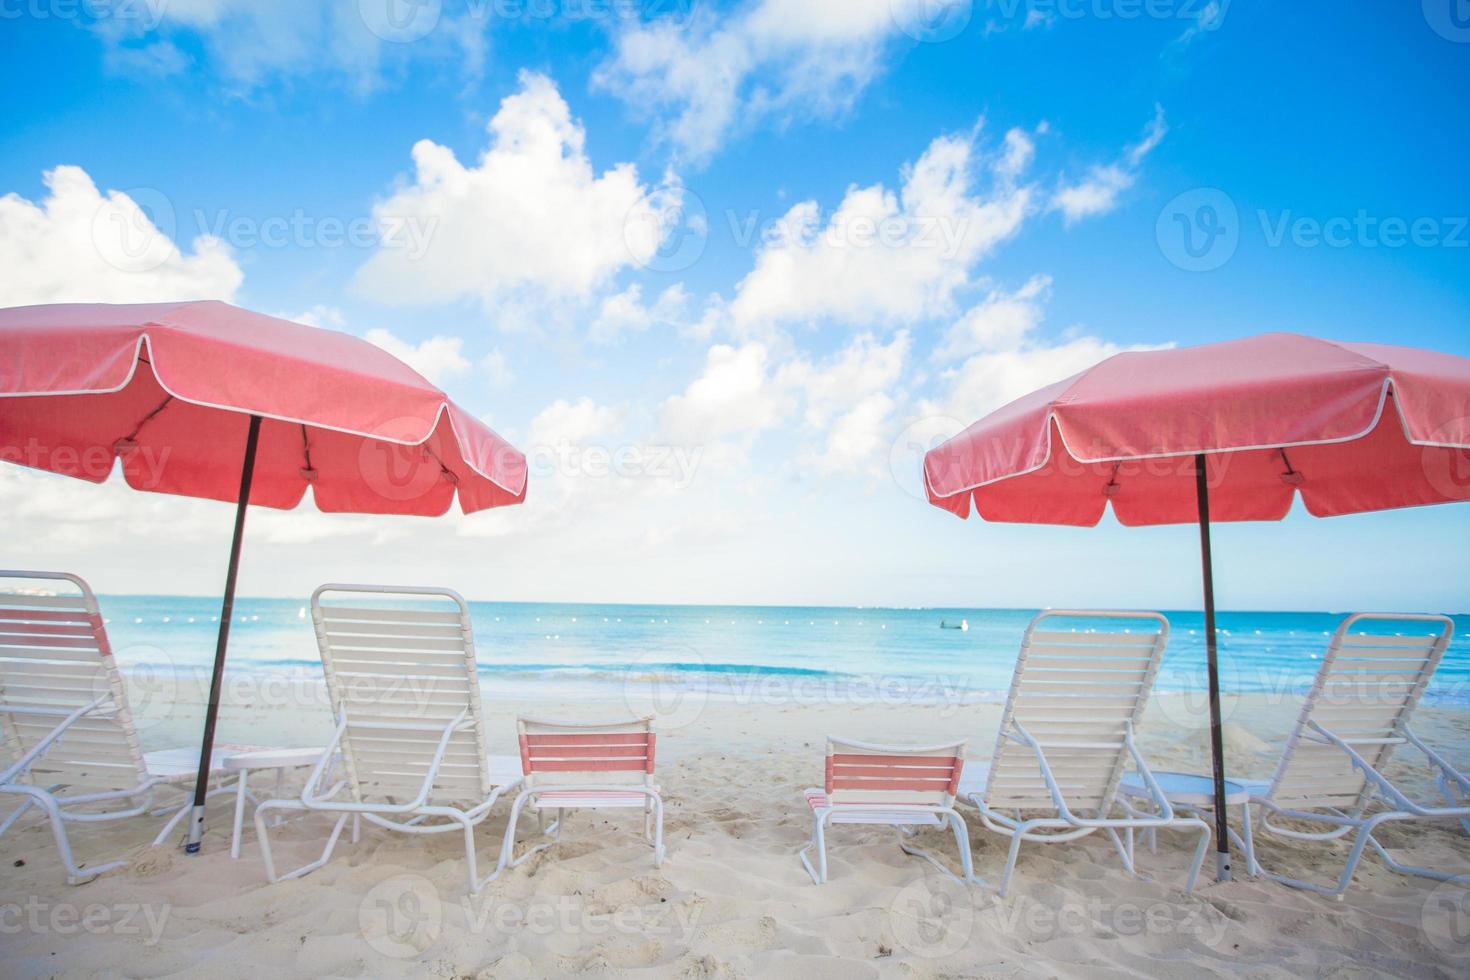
[227, 613]
[1212, 666]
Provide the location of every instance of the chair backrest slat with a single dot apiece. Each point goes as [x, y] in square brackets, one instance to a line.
[1081, 679]
[861, 772]
[1373, 674]
[55, 658]
[399, 667]
[590, 749]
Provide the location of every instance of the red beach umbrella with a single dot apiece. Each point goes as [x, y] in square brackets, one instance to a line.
[1221, 432]
[208, 400]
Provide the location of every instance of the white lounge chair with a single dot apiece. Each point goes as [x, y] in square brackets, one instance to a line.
[575, 765]
[900, 786]
[1356, 714]
[68, 732]
[1066, 737]
[402, 682]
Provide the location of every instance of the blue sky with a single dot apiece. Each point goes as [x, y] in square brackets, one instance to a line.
[495, 189]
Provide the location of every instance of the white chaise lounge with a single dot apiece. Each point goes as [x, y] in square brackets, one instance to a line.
[1356, 715]
[1081, 684]
[402, 682]
[71, 746]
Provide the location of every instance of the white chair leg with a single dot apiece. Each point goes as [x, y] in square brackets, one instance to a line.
[507, 846]
[1205, 836]
[240, 793]
[658, 831]
[25, 805]
[263, 834]
[1016, 837]
[173, 822]
[75, 875]
[819, 844]
[1123, 851]
[956, 824]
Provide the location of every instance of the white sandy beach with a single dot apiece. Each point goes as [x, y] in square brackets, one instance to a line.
[732, 899]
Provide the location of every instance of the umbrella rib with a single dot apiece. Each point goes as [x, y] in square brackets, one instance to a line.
[149, 418]
[306, 451]
[444, 471]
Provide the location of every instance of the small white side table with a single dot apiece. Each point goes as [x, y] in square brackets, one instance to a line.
[178, 767]
[259, 760]
[1194, 794]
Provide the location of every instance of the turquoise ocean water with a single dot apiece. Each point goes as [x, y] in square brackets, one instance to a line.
[585, 648]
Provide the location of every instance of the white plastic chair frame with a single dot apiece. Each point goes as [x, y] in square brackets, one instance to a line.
[902, 786]
[65, 719]
[1332, 769]
[1081, 694]
[564, 761]
[386, 667]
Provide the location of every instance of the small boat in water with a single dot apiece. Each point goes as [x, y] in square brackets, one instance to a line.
[945, 624]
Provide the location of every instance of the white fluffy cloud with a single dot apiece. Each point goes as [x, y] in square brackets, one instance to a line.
[250, 43]
[531, 215]
[624, 313]
[1098, 192]
[721, 73]
[851, 398]
[573, 423]
[1012, 360]
[884, 257]
[736, 393]
[846, 401]
[436, 358]
[999, 322]
[80, 245]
